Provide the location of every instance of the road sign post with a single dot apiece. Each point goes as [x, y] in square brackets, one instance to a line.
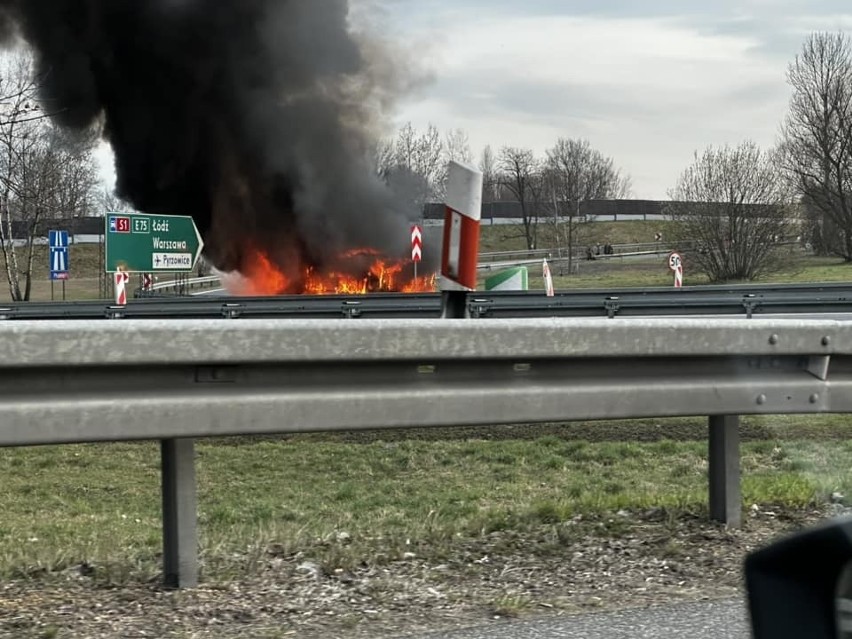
[137, 243]
[676, 265]
[58, 253]
[548, 280]
[59, 259]
[416, 247]
[121, 280]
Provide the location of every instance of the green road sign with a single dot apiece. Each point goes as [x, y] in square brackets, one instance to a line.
[137, 243]
[513, 279]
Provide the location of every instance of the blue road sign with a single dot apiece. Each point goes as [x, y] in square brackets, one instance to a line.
[57, 239]
[59, 262]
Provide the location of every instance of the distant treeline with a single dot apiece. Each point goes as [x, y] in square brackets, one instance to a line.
[74, 225]
[590, 209]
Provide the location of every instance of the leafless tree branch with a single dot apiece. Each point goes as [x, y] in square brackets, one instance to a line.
[817, 139]
[44, 173]
[734, 205]
[520, 175]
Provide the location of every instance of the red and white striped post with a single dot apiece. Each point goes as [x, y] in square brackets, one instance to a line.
[416, 247]
[460, 255]
[676, 265]
[548, 280]
[121, 280]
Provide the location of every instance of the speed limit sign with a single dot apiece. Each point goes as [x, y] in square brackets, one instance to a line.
[675, 262]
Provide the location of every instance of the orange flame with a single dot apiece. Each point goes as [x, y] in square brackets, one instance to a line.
[263, 278]
[378, 275]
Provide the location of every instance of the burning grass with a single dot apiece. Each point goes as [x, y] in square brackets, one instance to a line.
[356, 272]
[98, 505]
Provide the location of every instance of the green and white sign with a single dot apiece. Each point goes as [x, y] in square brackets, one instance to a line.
[514, 279]
[137, 243]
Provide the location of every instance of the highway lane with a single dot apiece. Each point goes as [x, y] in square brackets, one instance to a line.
[213, 292]
[727, 619]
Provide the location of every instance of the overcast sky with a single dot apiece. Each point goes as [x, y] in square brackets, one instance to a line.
[648, 82]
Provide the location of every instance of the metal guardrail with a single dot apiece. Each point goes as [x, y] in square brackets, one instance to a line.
[175, 380]
[559, 261]
[227, 378]
[746, 301]
[193, 282]
[505, 258]
[640, 248]
[179, 286]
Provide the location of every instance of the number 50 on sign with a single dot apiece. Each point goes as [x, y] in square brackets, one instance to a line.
[675, 262]
[676, 265]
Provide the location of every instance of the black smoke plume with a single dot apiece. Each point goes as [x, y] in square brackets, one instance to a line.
[255, 117]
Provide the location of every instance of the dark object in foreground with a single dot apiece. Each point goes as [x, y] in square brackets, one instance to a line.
[797, 587]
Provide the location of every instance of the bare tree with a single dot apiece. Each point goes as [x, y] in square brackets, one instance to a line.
[817, 137]
[44, 173]
[584, 173]
[384, 157]
[819, 230]
[490, 180]
[520, 174]
[74, 192]
[108, 201]
[576, 172]
[18, 137]
[733, 204]
[457, 147]
[413, 165]
[422, 154]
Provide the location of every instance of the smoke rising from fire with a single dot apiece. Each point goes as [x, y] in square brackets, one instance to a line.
[256, 117]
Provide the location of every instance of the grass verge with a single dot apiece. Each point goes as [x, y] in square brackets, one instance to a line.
[343, 504]
[85, 265]
[507, 237]
[655, 272]
[83, 284]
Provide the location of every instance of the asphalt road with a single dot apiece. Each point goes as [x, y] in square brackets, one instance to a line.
[214, 292]
[703, 620]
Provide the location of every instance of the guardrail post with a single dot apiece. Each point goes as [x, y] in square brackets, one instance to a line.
[724, 470]
[454, 305]
[180, 547]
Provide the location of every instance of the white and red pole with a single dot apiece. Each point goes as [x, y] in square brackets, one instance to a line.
[121, 280]
[676, 265]
[548, 280]
[416, 247]
[460, 254]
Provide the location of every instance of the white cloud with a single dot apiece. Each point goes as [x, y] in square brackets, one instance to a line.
[648, 83]
[647, 90]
